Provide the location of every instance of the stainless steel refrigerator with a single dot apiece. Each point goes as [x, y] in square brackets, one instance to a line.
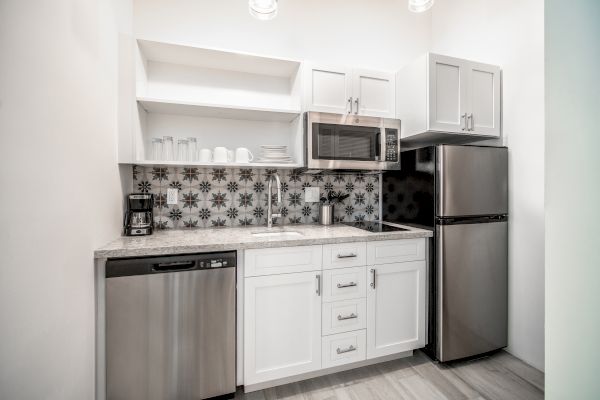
[461, 192]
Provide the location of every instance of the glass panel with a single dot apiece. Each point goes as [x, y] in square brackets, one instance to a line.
[346, 142]
[357, 143]
[323, 141]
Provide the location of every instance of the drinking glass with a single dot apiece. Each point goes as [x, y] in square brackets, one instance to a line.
[168, 150]
[192, 149]
[182, 150]
[157, 149]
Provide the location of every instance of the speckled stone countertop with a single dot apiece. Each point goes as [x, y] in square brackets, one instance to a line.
[169, 242]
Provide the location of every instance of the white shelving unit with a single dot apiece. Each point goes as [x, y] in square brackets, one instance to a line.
[220, 97]
[162, 106]
[216, 165]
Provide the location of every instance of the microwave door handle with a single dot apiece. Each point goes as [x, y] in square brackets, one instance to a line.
[382, 149]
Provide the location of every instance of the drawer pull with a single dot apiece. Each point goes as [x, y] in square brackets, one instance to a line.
[351, 316]
[349, 349]
[345, 285]
[349, 255]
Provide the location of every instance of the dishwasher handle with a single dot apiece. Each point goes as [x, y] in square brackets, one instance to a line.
[174, 266]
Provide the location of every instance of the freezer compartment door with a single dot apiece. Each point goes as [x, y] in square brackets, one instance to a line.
[472, 289]
[472, 180]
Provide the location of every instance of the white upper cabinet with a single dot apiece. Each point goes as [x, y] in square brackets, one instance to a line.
[484, 99]
[329, 89]
[374, 93]
[447, 94]
[448, 99]
[343, 90]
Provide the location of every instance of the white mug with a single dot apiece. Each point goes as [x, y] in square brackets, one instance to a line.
[243, 155]
[205, 155]
[222, 155]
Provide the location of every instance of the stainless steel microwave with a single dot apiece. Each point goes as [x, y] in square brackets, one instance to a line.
[347, 141]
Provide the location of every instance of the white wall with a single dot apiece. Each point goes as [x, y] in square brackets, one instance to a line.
[572, 192]
[61, 189]
[510, 33]
[378, 34]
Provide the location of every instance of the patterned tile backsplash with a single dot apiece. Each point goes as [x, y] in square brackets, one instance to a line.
[210, 197]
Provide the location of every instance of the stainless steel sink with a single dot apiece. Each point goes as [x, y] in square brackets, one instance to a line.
[277, 234]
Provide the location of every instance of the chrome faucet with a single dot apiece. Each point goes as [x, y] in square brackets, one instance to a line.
[270, 214]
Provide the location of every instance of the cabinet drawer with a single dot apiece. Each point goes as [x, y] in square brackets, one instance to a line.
[393, 251]
[282, 260]
[344, 255]
[344, 283]
[344, 316]
[344, 348]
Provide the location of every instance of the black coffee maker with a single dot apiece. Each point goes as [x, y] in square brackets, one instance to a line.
[139, 218]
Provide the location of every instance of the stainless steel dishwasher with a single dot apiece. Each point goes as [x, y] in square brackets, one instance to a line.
[170, 327]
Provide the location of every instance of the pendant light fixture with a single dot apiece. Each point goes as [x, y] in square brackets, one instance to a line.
[263, 9]
[418, 6]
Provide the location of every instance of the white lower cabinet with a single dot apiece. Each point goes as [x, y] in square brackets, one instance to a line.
[298, 321]
[282, 326]
[396, 308]
[344, 348]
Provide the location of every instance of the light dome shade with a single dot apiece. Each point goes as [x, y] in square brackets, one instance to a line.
[263, 9]
[419, 5]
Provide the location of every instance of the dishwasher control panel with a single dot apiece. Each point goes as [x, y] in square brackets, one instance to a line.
[216, 263]
[169, 264]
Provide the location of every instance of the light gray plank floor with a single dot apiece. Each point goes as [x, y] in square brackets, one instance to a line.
[497, 377]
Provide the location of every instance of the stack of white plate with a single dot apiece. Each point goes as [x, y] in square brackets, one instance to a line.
[274, 154]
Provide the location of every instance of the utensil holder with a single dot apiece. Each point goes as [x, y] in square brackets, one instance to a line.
[326, 214]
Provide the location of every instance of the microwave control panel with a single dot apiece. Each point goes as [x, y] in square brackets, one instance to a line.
[391, 145]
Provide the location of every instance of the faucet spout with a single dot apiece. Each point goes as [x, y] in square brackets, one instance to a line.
[270, 214]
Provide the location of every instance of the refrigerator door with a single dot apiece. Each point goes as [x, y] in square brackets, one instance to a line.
[472, 289]
[472, 180]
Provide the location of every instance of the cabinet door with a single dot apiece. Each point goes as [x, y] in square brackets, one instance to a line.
[484, 99]
[282, 326]
[447, 94]
[328, 89]
[395, 308]
[374, 93]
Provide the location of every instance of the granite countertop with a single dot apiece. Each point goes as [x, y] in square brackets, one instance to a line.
[169, 242]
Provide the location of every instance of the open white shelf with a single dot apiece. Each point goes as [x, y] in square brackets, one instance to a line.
[221, 98]
[183, 54]
[216, 165]
[196, 109]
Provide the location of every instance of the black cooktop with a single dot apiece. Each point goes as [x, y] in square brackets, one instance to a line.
[374, 226]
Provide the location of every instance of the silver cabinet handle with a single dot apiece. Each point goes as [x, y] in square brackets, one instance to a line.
[351, 316]
[466, 127]
[345, 285]
[349, 255]
[318, 276]
[350, 105]
[349, 349]
[373, 275]
[472, 128]
[356, 101]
